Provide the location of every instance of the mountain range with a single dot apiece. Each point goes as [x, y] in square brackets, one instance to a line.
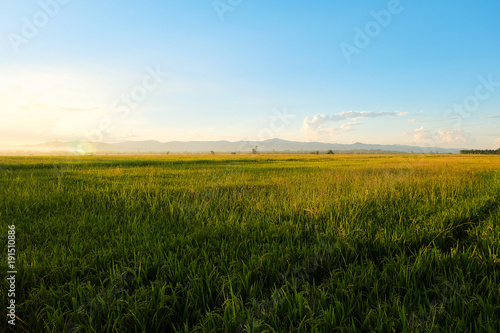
[267, 146]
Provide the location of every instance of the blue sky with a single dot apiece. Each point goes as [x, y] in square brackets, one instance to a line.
[390, 72]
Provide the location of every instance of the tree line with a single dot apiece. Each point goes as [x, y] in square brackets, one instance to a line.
[481, 151]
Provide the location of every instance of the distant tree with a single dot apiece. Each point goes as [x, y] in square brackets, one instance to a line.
[254, 150]
[482, 152]
[212, 152]
[330, 152]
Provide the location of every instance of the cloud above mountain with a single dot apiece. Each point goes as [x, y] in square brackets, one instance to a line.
[445, 135]
[316, 126]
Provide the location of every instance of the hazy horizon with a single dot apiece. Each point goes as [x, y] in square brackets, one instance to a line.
[384, 72]
[223, 146]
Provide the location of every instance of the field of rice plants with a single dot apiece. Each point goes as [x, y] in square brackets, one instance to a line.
[253, 243]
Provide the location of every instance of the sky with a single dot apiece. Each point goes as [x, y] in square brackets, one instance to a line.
[424, 73]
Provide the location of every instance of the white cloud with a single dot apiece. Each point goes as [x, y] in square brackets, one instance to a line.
[449, 135]
[421, 134]
[354, 115]
[441, 136]
[349, 126]
[316, 127]
[414, 120]
[497, 143]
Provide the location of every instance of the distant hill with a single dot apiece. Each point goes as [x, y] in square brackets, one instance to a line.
[267, 146]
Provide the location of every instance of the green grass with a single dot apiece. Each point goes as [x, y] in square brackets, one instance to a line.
[253, 243]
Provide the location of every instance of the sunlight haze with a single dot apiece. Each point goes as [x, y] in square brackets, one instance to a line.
[381, 72]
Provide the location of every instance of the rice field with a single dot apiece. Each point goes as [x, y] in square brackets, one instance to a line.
[253, 243]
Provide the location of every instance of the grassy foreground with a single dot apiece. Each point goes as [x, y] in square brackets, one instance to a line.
[253, 243]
